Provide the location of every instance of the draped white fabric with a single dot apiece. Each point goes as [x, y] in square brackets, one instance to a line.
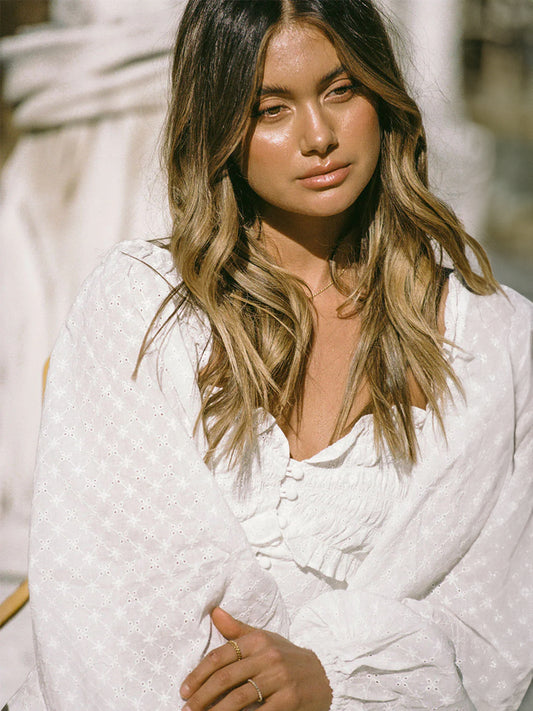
[420, 594]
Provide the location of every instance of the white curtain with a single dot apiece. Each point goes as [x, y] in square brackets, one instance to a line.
[90, 94]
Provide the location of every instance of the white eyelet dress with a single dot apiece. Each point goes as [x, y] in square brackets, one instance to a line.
[412, 585]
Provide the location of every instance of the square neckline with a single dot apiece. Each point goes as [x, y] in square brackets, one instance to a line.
[364, 423]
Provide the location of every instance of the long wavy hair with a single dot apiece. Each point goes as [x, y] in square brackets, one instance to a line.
[260, 316]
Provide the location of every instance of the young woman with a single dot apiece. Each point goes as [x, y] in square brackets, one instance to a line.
[285, 456]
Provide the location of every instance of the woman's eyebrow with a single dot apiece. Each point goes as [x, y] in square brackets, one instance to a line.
[284, 91]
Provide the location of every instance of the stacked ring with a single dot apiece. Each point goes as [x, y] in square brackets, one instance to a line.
[236, 648]
[260, 698]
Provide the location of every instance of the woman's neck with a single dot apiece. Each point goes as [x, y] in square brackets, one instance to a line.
[304, 245]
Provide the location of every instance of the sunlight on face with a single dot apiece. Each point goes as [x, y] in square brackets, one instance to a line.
[315, 137]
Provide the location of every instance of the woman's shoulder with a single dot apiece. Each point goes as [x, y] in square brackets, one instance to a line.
[132, 260]
[131, 293]
[501, 312]
[133, 276]
[120, 323]
[485, 328]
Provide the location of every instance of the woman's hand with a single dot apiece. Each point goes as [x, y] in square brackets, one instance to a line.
[289, 678]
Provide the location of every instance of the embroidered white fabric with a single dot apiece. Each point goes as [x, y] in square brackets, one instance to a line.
[412, 587]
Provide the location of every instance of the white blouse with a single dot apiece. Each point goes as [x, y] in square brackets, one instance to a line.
[412, 585]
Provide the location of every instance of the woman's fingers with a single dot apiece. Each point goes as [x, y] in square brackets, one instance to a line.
[256, 666]
[244, 697]
[217, 659]
[246, 641]
[221, 675]
[237, 695]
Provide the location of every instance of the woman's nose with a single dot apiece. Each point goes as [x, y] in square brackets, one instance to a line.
[317, 133]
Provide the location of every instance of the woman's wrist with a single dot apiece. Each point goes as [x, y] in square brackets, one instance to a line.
[328, 691]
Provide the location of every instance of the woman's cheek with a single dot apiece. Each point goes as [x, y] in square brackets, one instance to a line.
[268, 160]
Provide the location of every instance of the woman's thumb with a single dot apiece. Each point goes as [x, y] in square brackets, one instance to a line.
[227, 625]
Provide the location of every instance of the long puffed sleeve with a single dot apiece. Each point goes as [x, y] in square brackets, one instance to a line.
[132, 544]
[440, 614]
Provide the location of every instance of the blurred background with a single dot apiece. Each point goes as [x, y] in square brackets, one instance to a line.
[497, 81]
[83, 97]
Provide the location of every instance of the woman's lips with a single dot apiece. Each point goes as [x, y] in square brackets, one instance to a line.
[326, 180]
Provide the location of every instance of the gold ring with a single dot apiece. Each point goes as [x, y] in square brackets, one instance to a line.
[236, 648]
[259, 694]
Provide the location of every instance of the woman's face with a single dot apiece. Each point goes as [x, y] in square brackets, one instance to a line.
[314, 140]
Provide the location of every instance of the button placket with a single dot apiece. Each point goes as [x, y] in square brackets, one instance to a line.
[288, 491]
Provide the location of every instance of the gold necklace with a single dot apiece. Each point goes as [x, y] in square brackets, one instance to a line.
[324, 288]
[321, 291]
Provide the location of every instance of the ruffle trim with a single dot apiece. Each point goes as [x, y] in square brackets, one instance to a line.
[312, 552]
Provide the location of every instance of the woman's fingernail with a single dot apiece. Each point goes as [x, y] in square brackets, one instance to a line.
[185, 691]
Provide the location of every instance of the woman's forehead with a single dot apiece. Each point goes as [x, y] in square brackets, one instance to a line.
[298, 51]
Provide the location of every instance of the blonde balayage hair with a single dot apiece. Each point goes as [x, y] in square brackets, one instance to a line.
[261, 317]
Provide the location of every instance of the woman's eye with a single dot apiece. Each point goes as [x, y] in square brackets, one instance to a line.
[269, 111]
[343, 90]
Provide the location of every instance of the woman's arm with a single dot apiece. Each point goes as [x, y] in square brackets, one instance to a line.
[348, 651]
[440, 614]
[132, 544]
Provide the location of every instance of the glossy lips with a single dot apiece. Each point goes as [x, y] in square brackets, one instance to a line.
[325, 176]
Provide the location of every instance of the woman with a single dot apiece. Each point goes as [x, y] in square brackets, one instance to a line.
[314, 492]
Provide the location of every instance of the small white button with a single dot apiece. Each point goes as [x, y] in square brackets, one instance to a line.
[288, 491]
[295, 472]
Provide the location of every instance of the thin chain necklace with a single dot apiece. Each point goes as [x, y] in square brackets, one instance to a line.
[322, 290]
[325, 288]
